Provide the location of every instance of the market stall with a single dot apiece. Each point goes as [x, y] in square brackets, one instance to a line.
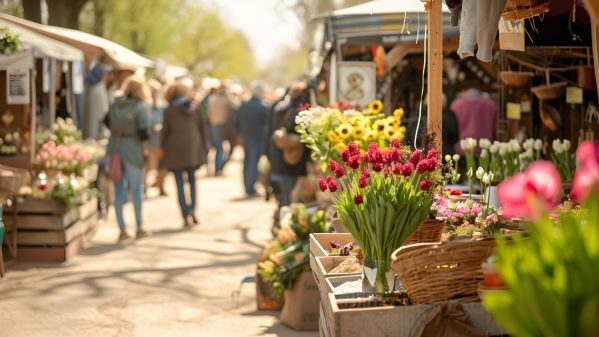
[51, 210]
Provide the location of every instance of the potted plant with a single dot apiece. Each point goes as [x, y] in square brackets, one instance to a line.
[382, 197]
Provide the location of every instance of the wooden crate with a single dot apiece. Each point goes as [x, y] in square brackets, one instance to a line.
[391, 321]
[49, 232]
[320, 242]
[321, 267]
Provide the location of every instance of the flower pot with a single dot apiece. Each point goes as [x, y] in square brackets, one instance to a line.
[492, 197]
[377, 277]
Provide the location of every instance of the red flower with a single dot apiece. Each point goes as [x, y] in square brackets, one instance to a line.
[333, 187]
[433, 154]
[415, 157]
[426, 185]
[345, 155]
[322, 185]
[363, 182]
[339, 172]
[395, 143]
[333, 165]
[354, 162]
[455, 192]
[358, 199]
[366, 172]
[353, 148]
[377, 167]
[422, 166]
[395, 154]
[386, 158]
[397, 169]
[407, 169]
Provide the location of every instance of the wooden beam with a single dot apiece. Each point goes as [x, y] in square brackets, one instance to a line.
[592, 7]
[435, 71]
[595, 29]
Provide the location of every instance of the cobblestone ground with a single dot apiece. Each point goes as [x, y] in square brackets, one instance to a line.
[174, 283]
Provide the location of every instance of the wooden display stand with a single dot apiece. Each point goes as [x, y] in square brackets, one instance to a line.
[49, 232]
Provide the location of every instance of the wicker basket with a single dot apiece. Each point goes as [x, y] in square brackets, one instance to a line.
[548, 92]
[516, 79]
[430, 231]
[436, 272]
[525, 9]
[11, 179]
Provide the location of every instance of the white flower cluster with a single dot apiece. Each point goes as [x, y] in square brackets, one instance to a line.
[307, 117]
[64, 125]
[468, 145]
[561, 146]
[533, 144]
[8, 143]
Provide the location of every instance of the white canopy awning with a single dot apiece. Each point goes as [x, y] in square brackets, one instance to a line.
[89, 43]
[42, 46]
[20, 60]
[379, 7]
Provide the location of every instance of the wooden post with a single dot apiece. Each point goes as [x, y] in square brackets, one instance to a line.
[435, 71]
[595, 30]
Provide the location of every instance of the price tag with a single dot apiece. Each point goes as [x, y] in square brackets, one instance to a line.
[513, 111]
[573, 95]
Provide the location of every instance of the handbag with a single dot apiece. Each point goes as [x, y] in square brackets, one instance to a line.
[290, 145]
[116, 164]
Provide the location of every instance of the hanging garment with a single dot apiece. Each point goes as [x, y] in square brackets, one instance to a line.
[478, 25]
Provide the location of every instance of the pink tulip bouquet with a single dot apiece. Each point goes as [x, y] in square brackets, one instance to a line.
[552, 274]
[382, 197]
[68, 159]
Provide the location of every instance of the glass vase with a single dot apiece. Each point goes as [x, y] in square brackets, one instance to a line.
[377, 276]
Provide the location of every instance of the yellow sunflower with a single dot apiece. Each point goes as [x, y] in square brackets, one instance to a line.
[398, 114]
[339, 147]
[333, 136]
[375, 106]
[379, 126]
[344, 130]
[370, 135]
[358, 131]
[390, 131]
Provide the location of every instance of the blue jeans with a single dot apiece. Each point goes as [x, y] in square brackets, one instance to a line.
[216, 138]
[187, 208]
[252, 149]
[133, 179]
[285, 184]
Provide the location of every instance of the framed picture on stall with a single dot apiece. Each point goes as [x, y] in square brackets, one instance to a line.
[17, 86]
[356, 82]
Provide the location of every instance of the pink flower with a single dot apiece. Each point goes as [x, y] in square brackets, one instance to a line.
[586, 179]
[366, 172]
[395, 143]
[530, 193]
[433, 154]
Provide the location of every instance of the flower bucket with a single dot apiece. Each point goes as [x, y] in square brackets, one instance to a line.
[377, 277]
[492, 197]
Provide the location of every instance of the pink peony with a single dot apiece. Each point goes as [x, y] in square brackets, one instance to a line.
[586, 179]
[531, 193]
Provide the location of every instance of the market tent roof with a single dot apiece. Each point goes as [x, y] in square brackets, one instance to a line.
[384, 22]
[92, 45]
[20, 60]
[42, 46]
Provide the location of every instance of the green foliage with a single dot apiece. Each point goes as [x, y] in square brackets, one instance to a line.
[64, 193]
[183, 32]
[552, 277]
[8, 43]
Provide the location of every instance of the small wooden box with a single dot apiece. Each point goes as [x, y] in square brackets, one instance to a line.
[320, 242]
[321, 267]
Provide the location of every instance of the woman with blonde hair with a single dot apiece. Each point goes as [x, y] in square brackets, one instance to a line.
[129, 124]
[184, 146]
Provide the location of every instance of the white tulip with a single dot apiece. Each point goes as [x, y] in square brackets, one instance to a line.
[528, 144]
[514, 145]
[566, 145]
[530, 153]
[538, 145]
[456, 157]
[503, 151]
[8, 137]
[556, 145]
[494, 148]
[447, 158]
[472, 143]
[486, 179]
[484, 143]
[480, 173]
[484, 153]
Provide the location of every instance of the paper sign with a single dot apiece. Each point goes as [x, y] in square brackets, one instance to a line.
[573, 95]
[17, 86]
[513, 111]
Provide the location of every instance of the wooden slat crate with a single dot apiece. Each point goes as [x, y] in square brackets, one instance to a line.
[48, 231]
[321, 269]
[320, 242]
[390, 321]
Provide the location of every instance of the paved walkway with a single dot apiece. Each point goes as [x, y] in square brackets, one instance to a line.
[175, 283]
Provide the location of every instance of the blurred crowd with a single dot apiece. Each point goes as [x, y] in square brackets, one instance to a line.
[155, 129]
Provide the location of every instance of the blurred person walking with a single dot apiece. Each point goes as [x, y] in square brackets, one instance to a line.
[156, 119]
[128, 121]
[220, 107]
[184, 147]
[96, 101]
[250, 122]
[285, 173]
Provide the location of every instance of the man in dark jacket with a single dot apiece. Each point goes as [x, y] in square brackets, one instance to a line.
[250, 121]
